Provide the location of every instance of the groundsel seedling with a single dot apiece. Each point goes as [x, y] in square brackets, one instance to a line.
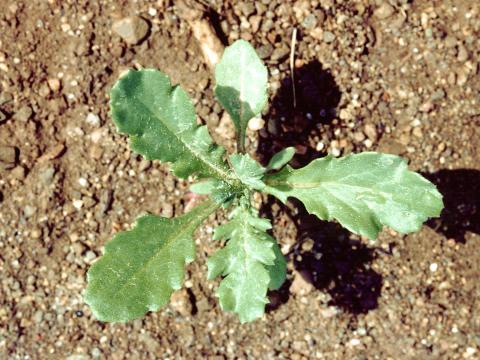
[142, 267]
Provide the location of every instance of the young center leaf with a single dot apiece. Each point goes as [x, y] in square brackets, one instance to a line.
[251, 263]
[142, 267]
[281, 158]
[248, 171]
[161, 122]
[241, 85]
[362, 192]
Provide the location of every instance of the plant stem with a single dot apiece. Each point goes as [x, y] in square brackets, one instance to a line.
[241, 142]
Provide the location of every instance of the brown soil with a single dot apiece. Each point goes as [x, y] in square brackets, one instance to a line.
[399, 78]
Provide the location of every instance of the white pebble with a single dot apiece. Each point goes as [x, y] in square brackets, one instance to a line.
[93, 119]
[83, 182]
[335, 152]
[470, 351]
[152, 11]
[433, 267]
[354, 342]
[256, 124]
[77, 204]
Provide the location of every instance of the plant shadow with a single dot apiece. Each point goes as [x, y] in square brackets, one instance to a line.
[326, 255]
[461, 196]
[317, 96]
[338, 262]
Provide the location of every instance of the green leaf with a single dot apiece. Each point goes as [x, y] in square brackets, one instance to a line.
[241, 85]
[142, 267]
[362, 192]
[281, 158]
[161, 122]
[251, 263]
[249, 171]
[220, 191]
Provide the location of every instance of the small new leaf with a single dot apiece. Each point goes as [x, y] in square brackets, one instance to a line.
[251, 263]
[241, 85]
[281, 158]
[142, 267]
[362, 192]
[161, 122]
[249, 171]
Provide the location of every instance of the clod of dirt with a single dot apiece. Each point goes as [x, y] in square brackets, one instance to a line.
[23, 114]
[180, 302]
[302, 283]
[132, 29]
[8, 157]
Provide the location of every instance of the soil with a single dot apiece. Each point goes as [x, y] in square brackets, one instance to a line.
[396, 76]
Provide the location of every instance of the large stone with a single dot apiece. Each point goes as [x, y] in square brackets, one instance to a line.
[132, 29]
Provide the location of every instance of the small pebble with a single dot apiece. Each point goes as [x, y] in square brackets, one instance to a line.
[8, 157]
[320, 146]
[265, 51]
[328, 37]
[93, 119]
[90, 256]
[354, 342]
[152, 11]
[433, 267]
[384, 11]
[310, 21]
[54, 84]
[180, 302]
[280, 53]
[131, 29]
[462, 54]
[46, 175]
[28, 211]
[23, 114]
[256, 124]
[77, 204]
[83, 182]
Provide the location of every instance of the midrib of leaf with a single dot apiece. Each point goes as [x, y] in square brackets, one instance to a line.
[324, 185]
[200, 213]
[224, 175]
[242, 84]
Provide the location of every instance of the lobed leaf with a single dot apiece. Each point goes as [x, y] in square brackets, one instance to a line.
[142, 267]
[251, 263]
[241, 85]
[362, 192]
[161, 122]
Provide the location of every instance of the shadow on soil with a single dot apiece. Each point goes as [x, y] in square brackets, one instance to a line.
[333, 262]
[337, 263]
[461, 196]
